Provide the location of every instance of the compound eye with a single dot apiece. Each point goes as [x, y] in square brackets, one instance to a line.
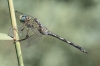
[23, 18]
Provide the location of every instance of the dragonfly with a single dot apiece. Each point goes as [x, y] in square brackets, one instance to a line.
[38, 30]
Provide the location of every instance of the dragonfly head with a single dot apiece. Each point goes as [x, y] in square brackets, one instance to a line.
[22, 18]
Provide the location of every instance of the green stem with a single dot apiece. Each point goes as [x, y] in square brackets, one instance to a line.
[16, 37]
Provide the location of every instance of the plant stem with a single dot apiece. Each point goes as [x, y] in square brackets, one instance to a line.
[16, 37]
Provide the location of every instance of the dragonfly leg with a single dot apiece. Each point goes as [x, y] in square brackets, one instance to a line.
[23, 27]
[27, 35]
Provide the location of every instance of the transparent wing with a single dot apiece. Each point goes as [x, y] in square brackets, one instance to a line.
[10, 33]
[34, 38]
[18, 30]
[18, 14]
[34, 35]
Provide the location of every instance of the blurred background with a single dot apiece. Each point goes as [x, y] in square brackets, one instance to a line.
[74, 20]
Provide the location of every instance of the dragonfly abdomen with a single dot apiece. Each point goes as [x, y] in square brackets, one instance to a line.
[68, 42]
